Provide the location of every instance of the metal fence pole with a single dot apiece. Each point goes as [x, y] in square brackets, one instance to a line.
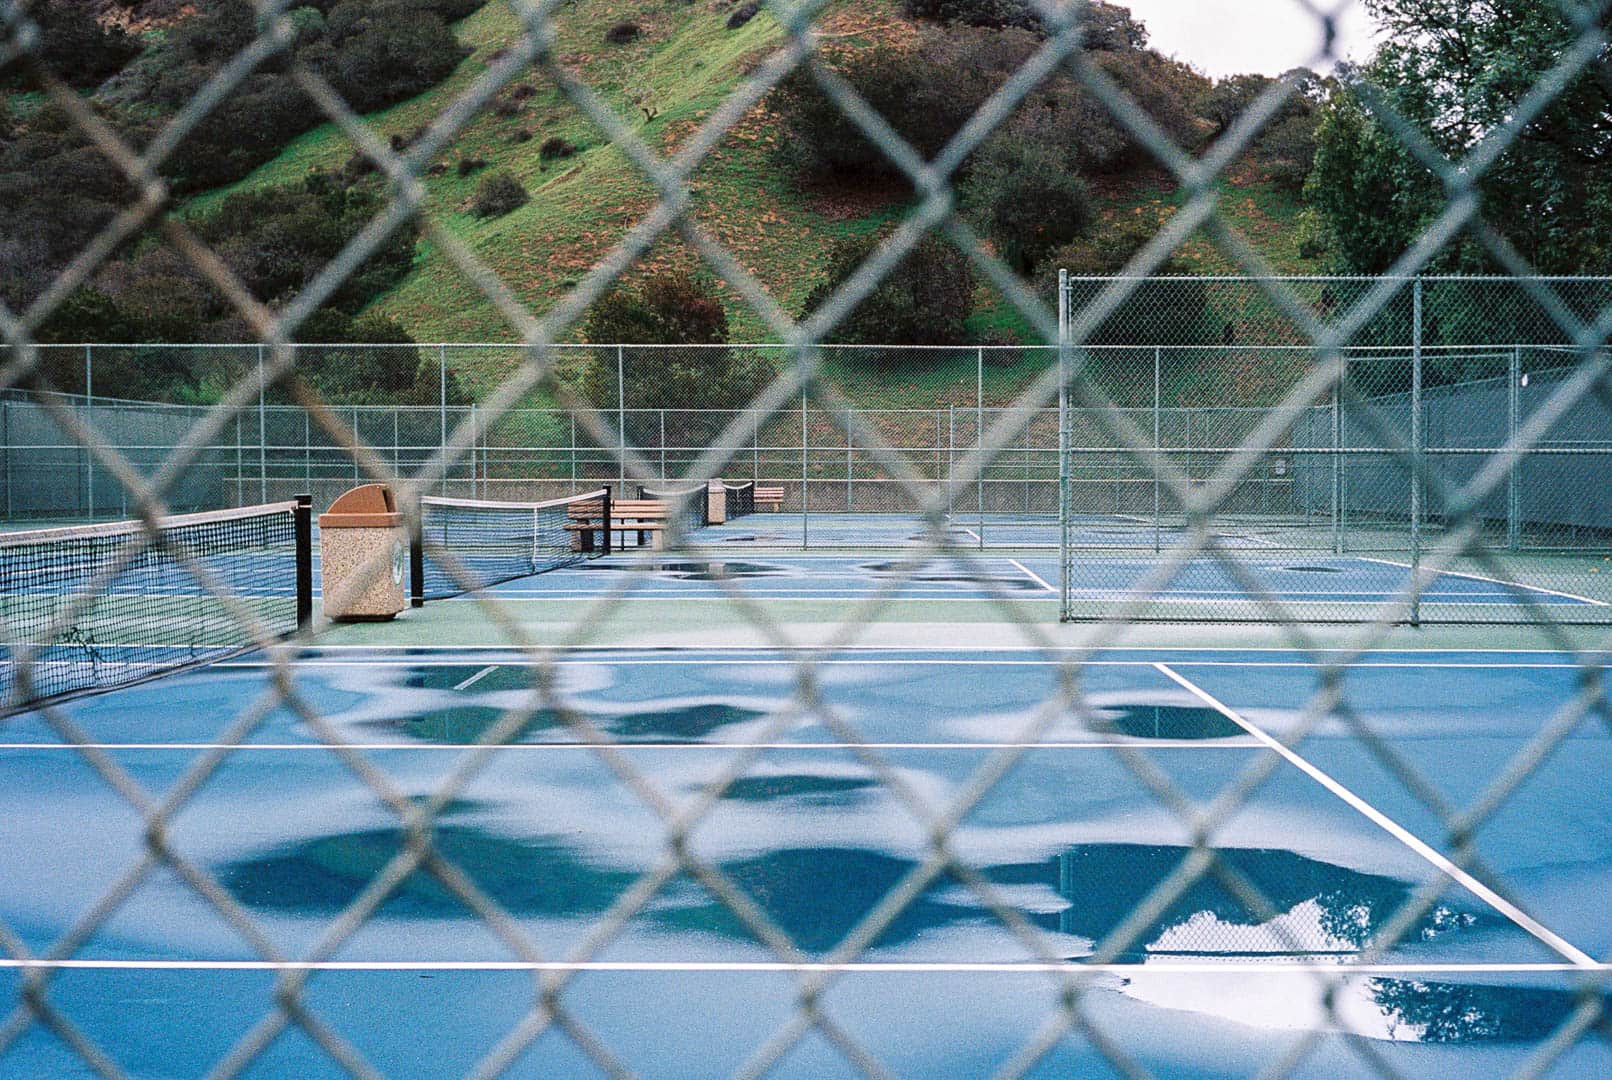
[621, 418]
[1418, 456]
[397, 450]
[1337, 464]
[1064, 610]
[663, 445]
[357, 477]
[573, 451]
[951, 461]
[1158, 408]
[979, 435]
[805, 489]
[1513, 423]
[442, 405]
[240, 463]
[307, 451]
[262, 433]
[474, 473]
[89, 420]
[849, 442]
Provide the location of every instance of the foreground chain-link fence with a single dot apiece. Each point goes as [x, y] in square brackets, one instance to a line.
[1185, 456]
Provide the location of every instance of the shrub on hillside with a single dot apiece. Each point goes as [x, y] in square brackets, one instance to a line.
[928, 91]
[743, 14]
[925, 300]
[1109, 27]
[75, 47]
[925, 93]
[556, 147]
[673, 308]
[1027, 197]
[497, 195]
[623, 32]
[1155, 313]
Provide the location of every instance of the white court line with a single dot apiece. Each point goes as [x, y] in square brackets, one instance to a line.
[516, 661]
[1394, 650]
[1539, 930]
[1238, 966]
[1516, 586]
[477, 677]
[1150, 744]
[1032, 575]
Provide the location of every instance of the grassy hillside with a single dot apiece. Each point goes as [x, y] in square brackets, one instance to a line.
[683, 66]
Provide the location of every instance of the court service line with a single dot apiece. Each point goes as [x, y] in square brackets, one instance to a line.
[1512, 586]
[1236, 966]
[1033, 576]
[477, 677]
[1392, 827]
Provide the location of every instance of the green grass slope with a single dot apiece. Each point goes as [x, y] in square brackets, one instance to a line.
[684, 65]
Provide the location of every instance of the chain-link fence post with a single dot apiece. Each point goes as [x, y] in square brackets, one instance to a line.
[262, 432]
[1158, 408]
[307, 451]
[951, 461]
[1513, 423]
[663, 445]
[573, 416]
[1418, 454]
[442, 404]
[1064, 610]
[849, 449]
[1337, 463]
[89, 420]
[621, 419]
[979, 437]
[805, 468]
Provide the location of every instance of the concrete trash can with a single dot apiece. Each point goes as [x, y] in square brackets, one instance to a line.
[363, 547]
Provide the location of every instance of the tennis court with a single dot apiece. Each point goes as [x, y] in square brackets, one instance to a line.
[803, 823]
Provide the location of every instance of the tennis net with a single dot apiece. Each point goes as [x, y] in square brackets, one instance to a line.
[96, 607]
[741, 498]
[494, 542]
[692, 506]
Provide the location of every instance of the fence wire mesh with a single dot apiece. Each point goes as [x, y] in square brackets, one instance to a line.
[1136, 438]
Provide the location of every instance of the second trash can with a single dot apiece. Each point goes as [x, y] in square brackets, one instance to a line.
[363, 551]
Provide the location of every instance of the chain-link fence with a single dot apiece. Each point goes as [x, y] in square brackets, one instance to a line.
[1485, 452]
[1366, 472]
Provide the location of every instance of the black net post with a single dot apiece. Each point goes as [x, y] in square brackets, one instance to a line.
[302, 517]
[417, 561]
[604, 518]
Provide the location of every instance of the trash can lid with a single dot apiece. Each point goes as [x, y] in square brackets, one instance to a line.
[368, 507]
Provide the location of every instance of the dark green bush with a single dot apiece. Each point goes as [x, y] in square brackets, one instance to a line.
[497, 195]
[623, 32]
[73, 46]
[1109, 27]
[556, 147]
[743, 14]
[672, 308]
[1027, 197]
[925, 300]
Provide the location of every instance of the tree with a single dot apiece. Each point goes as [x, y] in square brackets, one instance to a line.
[670, 309]
[925, 300]
[1028, 198]
[1457, 71]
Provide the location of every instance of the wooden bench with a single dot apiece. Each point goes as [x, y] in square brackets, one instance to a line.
[770, 497]
[646, 517]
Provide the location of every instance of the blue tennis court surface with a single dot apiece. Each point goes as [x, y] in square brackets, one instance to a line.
[818, 814]
[1291, 577]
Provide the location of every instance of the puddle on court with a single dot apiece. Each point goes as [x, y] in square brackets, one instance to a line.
[808, 789]
[698, 570]
[1014, 582]
[464, 724]
[1167, 722]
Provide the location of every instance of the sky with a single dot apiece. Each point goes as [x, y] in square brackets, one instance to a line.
[1230, 37]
